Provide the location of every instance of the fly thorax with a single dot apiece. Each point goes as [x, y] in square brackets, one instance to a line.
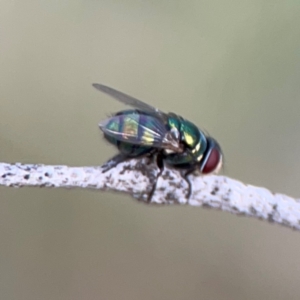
[193, 138]
[201, 147]
[192, 141]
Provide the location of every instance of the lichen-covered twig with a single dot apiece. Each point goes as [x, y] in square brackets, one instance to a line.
[137, 177]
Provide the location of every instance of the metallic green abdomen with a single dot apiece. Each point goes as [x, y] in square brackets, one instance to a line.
[137, 126]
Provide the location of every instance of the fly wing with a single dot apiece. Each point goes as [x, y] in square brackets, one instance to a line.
[128, 100]
[139, 129]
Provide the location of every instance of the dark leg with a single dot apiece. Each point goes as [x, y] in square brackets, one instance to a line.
[113, 162]
[160, 164]
[186, 178]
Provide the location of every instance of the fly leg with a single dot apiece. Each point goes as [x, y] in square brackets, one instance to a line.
[119, 158]
[186, 178]
[159, 162]
[185, 175]
[113, 162]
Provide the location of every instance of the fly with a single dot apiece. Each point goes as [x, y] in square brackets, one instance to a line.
[171, 139]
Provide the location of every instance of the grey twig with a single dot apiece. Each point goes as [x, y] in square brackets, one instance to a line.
[137, 177]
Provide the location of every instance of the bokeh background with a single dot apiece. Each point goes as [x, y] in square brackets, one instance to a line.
[232, 67]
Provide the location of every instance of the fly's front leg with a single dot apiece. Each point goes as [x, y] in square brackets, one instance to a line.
[185, 175]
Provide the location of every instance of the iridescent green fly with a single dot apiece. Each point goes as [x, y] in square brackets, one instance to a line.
[168, 137]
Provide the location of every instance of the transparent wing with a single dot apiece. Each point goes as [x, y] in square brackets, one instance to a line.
[143, 130]
[128, 100]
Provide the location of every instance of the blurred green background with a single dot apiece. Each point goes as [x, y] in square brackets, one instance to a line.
[232, 67]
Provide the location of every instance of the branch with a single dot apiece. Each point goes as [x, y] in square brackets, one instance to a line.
[137, 177]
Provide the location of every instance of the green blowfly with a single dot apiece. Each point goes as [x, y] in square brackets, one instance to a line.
[172, 140]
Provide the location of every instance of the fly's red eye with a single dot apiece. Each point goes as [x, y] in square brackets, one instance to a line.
[213, 158]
